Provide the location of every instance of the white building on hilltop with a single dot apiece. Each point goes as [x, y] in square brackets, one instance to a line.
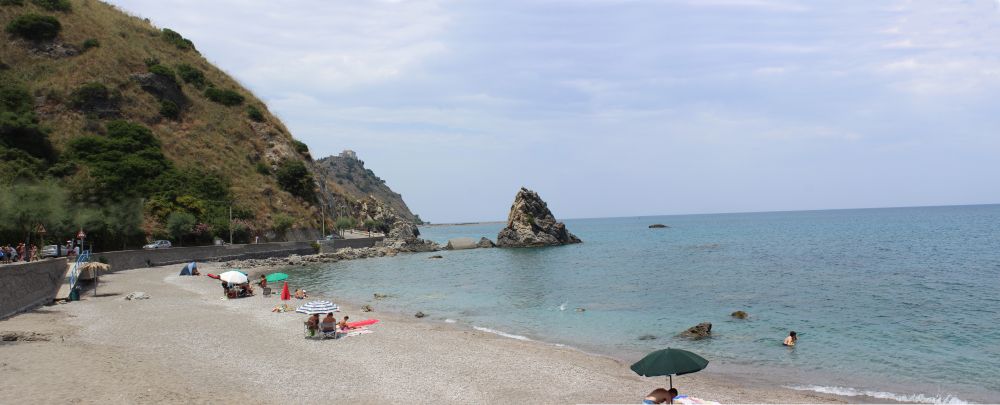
[349, 154]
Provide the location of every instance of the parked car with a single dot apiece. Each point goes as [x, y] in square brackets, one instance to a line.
[53, 251]
[158, 244]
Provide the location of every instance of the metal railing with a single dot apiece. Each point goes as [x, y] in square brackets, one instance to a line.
[74, 274]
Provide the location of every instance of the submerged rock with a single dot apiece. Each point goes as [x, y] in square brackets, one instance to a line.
[420, 314]
[531, 224]
[647, 337]
[699, 331]
[739, 315]
[436, 257]
[379, 296]
[657, 226]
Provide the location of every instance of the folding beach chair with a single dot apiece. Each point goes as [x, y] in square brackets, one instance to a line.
[328, 330]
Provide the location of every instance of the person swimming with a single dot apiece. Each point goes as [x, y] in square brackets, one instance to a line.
[790, 339]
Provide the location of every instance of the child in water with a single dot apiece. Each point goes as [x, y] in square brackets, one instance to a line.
[790, 339]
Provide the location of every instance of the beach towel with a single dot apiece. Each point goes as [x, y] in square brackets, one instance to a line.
[688, 400]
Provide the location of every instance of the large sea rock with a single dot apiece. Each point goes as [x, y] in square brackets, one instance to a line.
[531, 224]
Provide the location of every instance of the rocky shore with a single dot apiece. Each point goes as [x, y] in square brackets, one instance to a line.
[385, 248]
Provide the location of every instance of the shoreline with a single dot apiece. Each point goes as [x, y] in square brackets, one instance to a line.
[185, 336]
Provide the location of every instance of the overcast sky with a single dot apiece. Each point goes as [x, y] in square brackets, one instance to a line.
[623, 108]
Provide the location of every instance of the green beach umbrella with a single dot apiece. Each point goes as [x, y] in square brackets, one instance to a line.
[669, 362]
[273, 277]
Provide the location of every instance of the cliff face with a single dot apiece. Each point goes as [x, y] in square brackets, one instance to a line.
[346, 175]
[531, 224]
[115, 112]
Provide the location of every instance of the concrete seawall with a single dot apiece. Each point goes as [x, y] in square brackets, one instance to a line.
[134, 259]
[25, 286]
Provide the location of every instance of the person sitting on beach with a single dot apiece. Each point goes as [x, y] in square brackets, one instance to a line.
[343, 324]
[263, 281]
[329, 323]
[300, 294]
[313, 324]
[658, 396]
[791, 339]
[671, 394]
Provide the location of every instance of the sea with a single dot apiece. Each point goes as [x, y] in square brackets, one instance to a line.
[892, 303]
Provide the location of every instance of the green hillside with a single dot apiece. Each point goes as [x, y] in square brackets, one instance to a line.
[123, 128]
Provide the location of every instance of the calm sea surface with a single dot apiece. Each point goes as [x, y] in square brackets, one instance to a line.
[902, 303]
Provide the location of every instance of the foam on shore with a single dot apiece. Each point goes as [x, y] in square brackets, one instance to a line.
[852, 392]
[504, 334]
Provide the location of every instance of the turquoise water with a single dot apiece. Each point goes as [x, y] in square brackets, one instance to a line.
[901, 302]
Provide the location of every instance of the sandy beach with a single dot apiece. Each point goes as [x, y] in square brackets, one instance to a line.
[185, 344]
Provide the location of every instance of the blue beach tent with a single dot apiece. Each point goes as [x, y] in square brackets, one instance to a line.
[189, 269]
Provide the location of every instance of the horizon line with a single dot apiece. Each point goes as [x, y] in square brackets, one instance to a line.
[726, 213]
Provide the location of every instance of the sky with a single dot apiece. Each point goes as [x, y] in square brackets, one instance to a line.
[613, 108]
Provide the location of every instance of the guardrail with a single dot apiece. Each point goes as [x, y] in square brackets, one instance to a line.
[74, 274]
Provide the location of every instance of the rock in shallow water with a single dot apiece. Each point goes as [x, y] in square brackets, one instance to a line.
[657, 226]
[699, 331]
[739, 315]
[420, 314]
[531, 224]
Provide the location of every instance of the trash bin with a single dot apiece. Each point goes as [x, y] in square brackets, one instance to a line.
[74, 294]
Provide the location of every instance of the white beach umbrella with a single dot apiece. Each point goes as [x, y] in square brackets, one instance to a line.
[233, 277]
[318, 307]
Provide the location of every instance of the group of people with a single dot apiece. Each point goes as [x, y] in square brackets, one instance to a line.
[20, 253]
[328, 324]
[237, 290]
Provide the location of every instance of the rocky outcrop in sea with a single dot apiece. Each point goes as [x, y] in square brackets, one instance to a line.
[531, 224]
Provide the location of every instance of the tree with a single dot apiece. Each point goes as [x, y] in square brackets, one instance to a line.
[343, 223]
[24, 207]
[180, 223]
[369, 224]
[124, 219]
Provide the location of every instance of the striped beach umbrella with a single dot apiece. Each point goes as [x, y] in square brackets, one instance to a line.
[318, 307]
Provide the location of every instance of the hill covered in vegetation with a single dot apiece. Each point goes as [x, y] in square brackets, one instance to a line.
[113, 125]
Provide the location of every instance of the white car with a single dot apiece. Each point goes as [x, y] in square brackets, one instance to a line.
[158, 244]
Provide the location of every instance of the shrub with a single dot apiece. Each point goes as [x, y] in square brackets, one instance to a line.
[53, 5]
[164, 71]
[91, 43]
[124, 163]
[151, 61]
[34, 27]
[300, 147]
[294, 178]
[283, 222]
[11, 2]
[263, 169]
[224, 97]
[89, 95]
[191, 75]
[254, 113]
[169, 109]
[177, 40]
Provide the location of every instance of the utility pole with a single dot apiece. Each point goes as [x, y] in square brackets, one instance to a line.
[230, 223]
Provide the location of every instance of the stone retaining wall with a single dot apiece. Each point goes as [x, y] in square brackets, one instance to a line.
[25, 286]
[134, 259]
